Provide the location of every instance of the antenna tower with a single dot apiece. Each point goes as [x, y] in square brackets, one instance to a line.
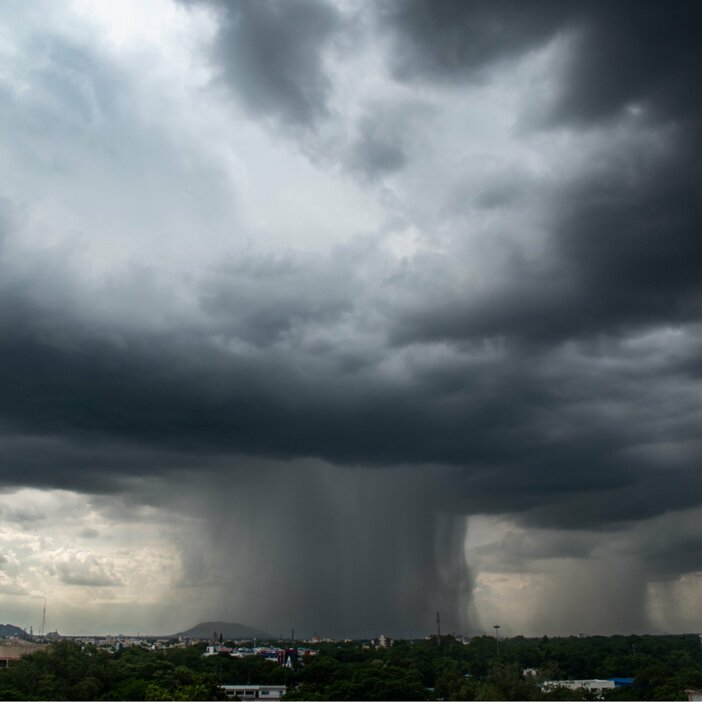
[43, 619]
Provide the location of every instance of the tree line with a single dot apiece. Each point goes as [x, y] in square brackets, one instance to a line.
[663, 667]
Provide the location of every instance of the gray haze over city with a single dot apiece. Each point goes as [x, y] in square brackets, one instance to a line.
[333, 314]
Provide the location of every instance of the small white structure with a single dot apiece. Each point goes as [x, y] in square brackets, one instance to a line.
[384, 641]
[254, 692]
[596, 686]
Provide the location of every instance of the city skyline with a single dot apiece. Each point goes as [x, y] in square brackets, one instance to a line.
[334, 314]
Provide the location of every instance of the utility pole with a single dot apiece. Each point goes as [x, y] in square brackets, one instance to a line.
[496, 627]
[438, 629]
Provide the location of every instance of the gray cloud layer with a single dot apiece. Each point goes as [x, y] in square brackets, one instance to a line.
[564, 390]
[272, 53]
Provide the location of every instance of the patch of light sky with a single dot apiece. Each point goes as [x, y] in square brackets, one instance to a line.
[92, 563]
[173, 176]
[517, 570]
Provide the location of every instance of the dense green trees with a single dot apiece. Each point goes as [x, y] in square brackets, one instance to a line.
[367, 680]
[664, 666]
[69, 671]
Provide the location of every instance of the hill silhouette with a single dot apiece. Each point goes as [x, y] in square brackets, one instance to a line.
[228, 630]
[12, 630]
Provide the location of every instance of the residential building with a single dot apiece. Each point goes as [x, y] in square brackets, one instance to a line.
[254, 692]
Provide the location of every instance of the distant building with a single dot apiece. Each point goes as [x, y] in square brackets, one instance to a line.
[268, 654]
[254, 692]
[384, 641]
[694, 695]
[307, 653]
[596, 686]
[11, 650]
[216, 649]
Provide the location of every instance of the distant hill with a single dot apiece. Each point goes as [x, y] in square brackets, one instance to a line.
[229, 630]
[12, 630]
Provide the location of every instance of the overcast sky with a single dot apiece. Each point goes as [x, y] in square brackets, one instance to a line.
[330, 314]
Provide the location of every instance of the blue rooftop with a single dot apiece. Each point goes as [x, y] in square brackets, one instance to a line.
[621, 682]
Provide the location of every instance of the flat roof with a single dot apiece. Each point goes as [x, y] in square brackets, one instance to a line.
[254, 687]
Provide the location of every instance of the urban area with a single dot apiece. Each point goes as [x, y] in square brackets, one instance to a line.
[437, 667]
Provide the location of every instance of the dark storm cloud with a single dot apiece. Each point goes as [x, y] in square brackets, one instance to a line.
[625, 53]
[531, 433]
[57, 459]
[272, 56]
[624, 239]
[453, 40]
[623, 234]
[623, 256]
[543, 394]
[267, 371]
[672, 554]
[632, 53]
[177, 391]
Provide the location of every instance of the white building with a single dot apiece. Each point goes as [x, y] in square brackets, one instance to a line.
[595, 685]
[254, 692]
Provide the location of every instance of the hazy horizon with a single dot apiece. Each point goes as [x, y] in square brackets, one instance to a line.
[332, 314]
[307, 635]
